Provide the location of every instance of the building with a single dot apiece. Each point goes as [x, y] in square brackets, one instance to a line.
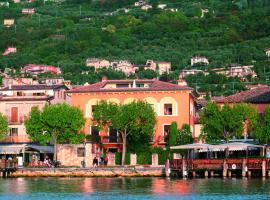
[199, 59]
[18, 81]
[139, 3]
[171, 103]
[125, 66]
[9, 50]
[160, 67]
[242, 71]
[267, 52]
[162, 6]
[8, 22]
[258, 97]
[28, 11]
[146, 7]
[186, 72]
[97, 63]
[55, 81]
[38, 69]
[16, 102]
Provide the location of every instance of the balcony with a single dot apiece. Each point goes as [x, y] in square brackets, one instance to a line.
[16, 139]
[16, 120]
[110, 139]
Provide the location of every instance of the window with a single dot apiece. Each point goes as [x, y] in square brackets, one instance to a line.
[168, 109]
[139, 85]
[80, 152]
[13, 132]
[166, 132]
[112, 135]
[94, 131]
[19, 93]
[122, 85]
[93, 109]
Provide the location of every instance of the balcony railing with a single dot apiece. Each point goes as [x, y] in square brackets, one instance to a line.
[108, 139]
[16, 139]
[16, 120]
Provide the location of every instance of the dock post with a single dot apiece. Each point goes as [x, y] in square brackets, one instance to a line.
[167, 168]
[184, 168]
[269, 173]
[212, 174]
[263, 168]
[225, 169]
[206, 174]
[194, 174]
[229, 173]
[249, 173]
[244, 168]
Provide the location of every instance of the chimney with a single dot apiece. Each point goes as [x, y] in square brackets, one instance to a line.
[181, 82]
[104, 78]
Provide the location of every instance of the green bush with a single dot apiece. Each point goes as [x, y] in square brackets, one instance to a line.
[118, 158]
[144, 158]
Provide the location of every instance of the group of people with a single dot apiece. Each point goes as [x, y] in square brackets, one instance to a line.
[102, 161]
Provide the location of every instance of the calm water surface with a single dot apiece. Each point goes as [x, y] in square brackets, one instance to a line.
[133, 188]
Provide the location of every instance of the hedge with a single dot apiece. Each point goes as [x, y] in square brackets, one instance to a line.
[118, 158]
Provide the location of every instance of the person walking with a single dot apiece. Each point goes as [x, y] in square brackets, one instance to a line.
[95, 162]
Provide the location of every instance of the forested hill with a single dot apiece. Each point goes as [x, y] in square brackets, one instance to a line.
[65, 34]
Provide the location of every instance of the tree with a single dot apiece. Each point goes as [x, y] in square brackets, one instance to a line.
[56, 123]
[136, 119]
[172, 135]
[262, 132]
[226, 122]
[184, 135]
[3, 126]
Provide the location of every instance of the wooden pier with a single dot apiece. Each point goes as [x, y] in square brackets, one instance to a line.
[245, 167]
[7, 167]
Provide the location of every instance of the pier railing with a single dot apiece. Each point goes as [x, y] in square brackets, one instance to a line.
[8, 164]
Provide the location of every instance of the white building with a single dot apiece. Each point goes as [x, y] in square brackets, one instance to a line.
[186, 72]
[199, 59]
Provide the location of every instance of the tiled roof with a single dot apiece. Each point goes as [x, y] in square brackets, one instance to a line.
[33, 87]
[154, 85]
[257, 95]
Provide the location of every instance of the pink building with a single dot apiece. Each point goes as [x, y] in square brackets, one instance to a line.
[241, 71]
[199, 59]
[125, 66]
[97, 63]
[186, 72]
[160, 67]
[16, 102]
[28, 11]
[38, 69]
[9, 50]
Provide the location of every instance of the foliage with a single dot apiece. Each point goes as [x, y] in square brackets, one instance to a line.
[54, 124]
[134, 121]
[3, 126]
[172, 135]
[262, 132]
[184, 135]
[226, 122]
[144, 158]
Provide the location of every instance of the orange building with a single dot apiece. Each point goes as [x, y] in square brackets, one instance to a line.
[171, 102]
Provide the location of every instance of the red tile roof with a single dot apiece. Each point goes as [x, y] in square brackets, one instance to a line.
[154, 85]
[256, 96]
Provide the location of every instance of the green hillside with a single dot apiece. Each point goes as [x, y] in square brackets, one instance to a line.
[65, 34]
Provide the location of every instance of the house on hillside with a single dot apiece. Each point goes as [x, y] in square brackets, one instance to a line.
[9, 50]
[38, 69]
[8, 22]
[139, 3]
[18, 81]
[28, 11]
[199, 59]
[242, 71]
[170, 102]
[97, 63]
[186, 72]
[160, 67]
[267, 52]
[146, 7]
[162, 6]
[125, 66]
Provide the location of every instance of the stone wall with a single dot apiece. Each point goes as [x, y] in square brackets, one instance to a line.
[69, 154]
[90, 172]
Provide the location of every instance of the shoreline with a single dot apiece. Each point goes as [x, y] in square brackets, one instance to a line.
[136, 171]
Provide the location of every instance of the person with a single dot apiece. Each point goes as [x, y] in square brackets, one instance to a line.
[106, 159]
[95, 162]
[47, 162]
[101, 160]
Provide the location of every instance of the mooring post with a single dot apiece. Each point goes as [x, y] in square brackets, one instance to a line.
[184, 168]
[249, 173]
[229, 173]
[244, 168]
[225, 168]
[206, 174]
[167, 168]
[212, 174]
[263, 168]
[194, 174]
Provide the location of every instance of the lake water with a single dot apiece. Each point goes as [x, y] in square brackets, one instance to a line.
[133, 188]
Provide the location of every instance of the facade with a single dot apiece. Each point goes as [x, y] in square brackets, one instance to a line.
[199, 59]
[186, 72]
[28, 11]
[146, 7]
[16, 102]
[18, 81]
[162, 6]
[267, 52]
[125, 66]
[97, 63]
[171, 103]
[8, 22]
[38, 69]
[160, 67]
[241, 71]
[139, 3]
[9, 50]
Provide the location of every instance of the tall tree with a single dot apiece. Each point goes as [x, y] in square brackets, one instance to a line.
[226, 122]
[172, 134]
[3, 126]
[136, 119]
[55, 123]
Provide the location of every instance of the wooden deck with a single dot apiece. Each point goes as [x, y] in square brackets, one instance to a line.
[225, 167]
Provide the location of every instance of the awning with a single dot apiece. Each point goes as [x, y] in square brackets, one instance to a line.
[235, 146]
[41, 149]
[11, 149]
[193, 146]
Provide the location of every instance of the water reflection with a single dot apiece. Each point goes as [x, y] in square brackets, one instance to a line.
[133, 188]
